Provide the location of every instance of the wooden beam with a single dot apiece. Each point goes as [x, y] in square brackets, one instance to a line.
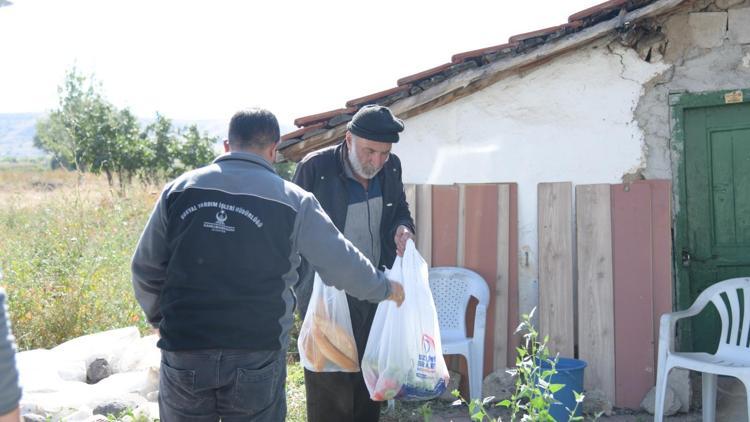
[461, 240]
[473, 80]
[501, 349]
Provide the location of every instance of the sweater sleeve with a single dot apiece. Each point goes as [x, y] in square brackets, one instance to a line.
[335, 258]
[149, 264]
[10, 390]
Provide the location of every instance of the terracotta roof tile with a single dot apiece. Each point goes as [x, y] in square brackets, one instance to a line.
[424, 74]
[413, 84]
[368, 98]
[299, 132]
[458, 58]
[601, 7]
[315, 118]
[546, 31]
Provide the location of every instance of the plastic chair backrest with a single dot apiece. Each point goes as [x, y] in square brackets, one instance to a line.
[452, 287]
[729, 296]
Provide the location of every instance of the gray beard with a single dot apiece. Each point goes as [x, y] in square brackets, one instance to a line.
[357, 166]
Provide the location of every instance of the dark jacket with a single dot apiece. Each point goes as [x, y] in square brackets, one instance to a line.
[216, 262]
[322, 173]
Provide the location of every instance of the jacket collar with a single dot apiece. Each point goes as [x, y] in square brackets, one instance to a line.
[245, 156]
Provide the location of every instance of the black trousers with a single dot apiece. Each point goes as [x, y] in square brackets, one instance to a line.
[339, 397]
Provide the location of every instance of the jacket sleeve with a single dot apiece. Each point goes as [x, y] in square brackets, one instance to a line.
[149, 265]
[336, 259]
[10, 391]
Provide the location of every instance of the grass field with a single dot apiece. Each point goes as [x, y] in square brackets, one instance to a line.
[65, 249]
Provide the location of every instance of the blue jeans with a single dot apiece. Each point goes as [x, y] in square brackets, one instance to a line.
[234, 385]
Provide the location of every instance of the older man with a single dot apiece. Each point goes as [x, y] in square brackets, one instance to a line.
[213, 271]
[359, 185]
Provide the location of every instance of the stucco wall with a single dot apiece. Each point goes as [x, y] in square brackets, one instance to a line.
[708, 49]
[569, 120]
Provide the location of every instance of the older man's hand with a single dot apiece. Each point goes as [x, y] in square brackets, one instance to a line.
[403, 234]
[397, 293]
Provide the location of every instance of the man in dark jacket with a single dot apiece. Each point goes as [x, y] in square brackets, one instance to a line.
[359, 185]
[214, 271]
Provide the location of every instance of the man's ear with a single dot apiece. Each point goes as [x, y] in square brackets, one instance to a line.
[348, 139]
[226, 145]
[273, 152]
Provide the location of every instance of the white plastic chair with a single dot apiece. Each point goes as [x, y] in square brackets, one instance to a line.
[733, 355]
[452, 288]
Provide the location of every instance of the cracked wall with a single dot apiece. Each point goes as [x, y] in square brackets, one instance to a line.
[569, 120]
[707, 48]
[598, 114]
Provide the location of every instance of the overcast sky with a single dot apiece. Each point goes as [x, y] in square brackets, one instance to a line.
[206, 59]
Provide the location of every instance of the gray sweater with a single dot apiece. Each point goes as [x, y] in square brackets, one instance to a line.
[10, 391]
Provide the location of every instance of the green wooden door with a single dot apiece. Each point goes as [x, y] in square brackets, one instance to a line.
[717, 187]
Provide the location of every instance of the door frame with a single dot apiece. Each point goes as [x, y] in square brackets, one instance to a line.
[678, 103]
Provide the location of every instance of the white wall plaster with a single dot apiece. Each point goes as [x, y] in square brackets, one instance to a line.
[569, 120]
[708, 29]
[739, 25]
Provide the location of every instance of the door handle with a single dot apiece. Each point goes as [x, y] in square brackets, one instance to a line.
[686, 257]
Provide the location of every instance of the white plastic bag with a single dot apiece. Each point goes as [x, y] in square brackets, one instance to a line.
[403, 358]
[326, 342]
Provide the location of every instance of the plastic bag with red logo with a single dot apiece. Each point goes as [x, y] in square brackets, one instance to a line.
[403, 358]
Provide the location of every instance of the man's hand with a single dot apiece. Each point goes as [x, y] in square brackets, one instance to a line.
[397, 293]
[402, 235]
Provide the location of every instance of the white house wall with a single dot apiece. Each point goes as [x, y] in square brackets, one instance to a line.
[570, 120]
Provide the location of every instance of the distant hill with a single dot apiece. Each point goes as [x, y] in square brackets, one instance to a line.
[17, 135]
[17, 132]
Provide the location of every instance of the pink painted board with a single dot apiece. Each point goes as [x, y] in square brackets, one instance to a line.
[480, 253]
[633, 294]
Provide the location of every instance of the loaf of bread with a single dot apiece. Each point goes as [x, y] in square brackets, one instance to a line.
[327, 341]
[313, 353]
[331, 352]
[338, 337]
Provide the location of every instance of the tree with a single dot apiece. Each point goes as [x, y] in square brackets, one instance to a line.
[71, 132]
[87, 133]
[195, 149]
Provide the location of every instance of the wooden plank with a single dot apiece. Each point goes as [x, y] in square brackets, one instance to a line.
[444, 246]
[555, 227]
[661, 241]
[480, 253]
[501, 281]
[514, 339]
[410, 191]
[596, 337]
[634, 319]
[461, 239]
[444, 225]
[424, 218]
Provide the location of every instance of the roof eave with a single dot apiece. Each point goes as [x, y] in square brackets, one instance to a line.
[474, 79]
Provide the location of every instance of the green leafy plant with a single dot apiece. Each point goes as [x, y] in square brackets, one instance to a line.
[534, 392]
[426, 411]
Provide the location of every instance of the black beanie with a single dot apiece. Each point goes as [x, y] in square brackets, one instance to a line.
[376, 123]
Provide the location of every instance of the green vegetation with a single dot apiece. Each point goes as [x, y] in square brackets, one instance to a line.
[89, 134]
[533, 395]
[66, 254]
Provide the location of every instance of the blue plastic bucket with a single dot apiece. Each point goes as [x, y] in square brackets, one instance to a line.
[570, 373]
